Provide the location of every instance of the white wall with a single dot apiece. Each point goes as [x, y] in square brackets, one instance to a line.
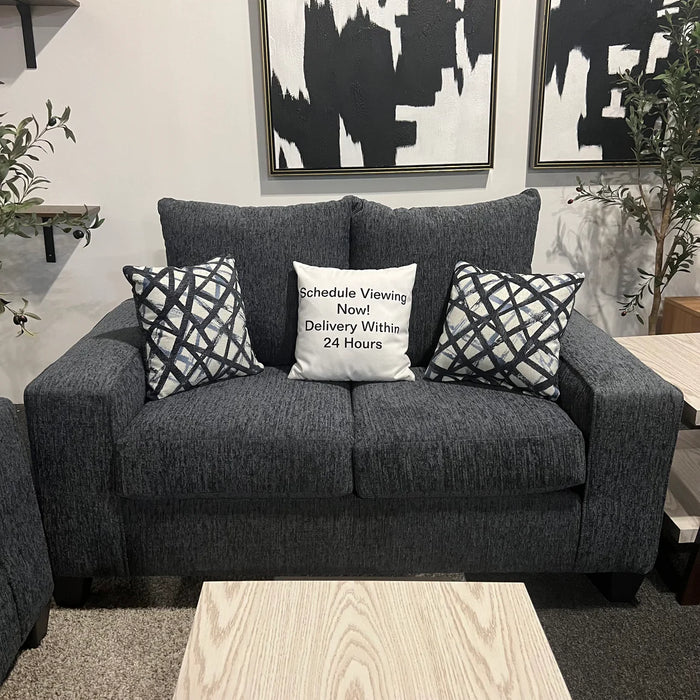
[167, 101]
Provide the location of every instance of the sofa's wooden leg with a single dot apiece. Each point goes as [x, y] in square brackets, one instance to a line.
[618, 587]
[38, 632]
[71, 591]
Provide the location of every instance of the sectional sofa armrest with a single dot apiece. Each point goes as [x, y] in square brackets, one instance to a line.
[25, 572]
[629, 417]
[77, 406]
[17, 493]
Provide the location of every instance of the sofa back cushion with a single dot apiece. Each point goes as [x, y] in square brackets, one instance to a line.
[264, 241]
[496, 235]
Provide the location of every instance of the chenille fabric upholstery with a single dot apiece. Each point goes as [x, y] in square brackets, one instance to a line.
[10, 637]
[123, 492]
[100, 383]
[629, 417]
[249, 538]
[264, 241]
[258, 436]
[497, 235]
[25, 573]
[424, 439]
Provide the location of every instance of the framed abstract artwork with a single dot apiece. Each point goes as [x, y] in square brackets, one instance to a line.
[579, 116]
[379, 86]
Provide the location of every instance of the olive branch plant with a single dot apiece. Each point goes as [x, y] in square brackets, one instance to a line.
[20, 146]
[663, 119]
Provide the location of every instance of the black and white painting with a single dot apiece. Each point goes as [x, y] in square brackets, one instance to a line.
[586, 44]
[379, 85]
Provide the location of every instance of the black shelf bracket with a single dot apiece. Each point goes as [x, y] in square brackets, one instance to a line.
[49, 245]
[25, 13]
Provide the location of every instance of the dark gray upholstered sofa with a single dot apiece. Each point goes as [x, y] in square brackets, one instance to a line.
[263, 476]
[25, 573]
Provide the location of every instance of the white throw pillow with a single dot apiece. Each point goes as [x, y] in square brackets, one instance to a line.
[353, 324]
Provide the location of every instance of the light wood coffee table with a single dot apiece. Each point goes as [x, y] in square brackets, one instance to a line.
[367, 639]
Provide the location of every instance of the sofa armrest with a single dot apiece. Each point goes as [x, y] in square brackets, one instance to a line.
[24, 561]
[77, 406]
[629, 417]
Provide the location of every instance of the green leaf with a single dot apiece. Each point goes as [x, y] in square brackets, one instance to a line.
[21, 146]
[12, 188]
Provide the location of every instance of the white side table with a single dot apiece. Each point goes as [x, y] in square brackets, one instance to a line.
[676, 358]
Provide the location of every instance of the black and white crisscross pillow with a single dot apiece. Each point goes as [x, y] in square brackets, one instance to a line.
[504, 329]
[195, 325]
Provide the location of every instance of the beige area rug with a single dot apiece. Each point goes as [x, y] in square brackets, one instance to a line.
[127, 642]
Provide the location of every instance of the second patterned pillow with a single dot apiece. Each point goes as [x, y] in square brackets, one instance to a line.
[504, 329]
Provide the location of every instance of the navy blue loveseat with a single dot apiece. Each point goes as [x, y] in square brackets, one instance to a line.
[262, 476]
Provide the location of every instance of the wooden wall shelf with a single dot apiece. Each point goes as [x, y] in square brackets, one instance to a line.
[24, 7]
[43, 3]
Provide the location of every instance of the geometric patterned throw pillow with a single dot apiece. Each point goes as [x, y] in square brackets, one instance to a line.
[504, 329]
[195, 325]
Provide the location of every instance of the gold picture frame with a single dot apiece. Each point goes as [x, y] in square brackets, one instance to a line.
[582, 48]
[354, 85]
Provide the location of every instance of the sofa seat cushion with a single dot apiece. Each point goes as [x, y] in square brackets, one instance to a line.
[258, 436]
[426, 439]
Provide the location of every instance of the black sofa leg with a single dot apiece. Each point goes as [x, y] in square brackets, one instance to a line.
[38, 632]
[618, 587]
[71, 591]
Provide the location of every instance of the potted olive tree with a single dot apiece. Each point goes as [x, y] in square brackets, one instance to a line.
[663, 117]
[20, 147]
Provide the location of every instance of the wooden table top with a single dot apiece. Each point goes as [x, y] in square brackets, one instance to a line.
[676, 358]
[47, 3]
[53, 209]
[367, 639]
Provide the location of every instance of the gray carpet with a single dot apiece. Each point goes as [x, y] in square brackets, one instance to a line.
[129, 639]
